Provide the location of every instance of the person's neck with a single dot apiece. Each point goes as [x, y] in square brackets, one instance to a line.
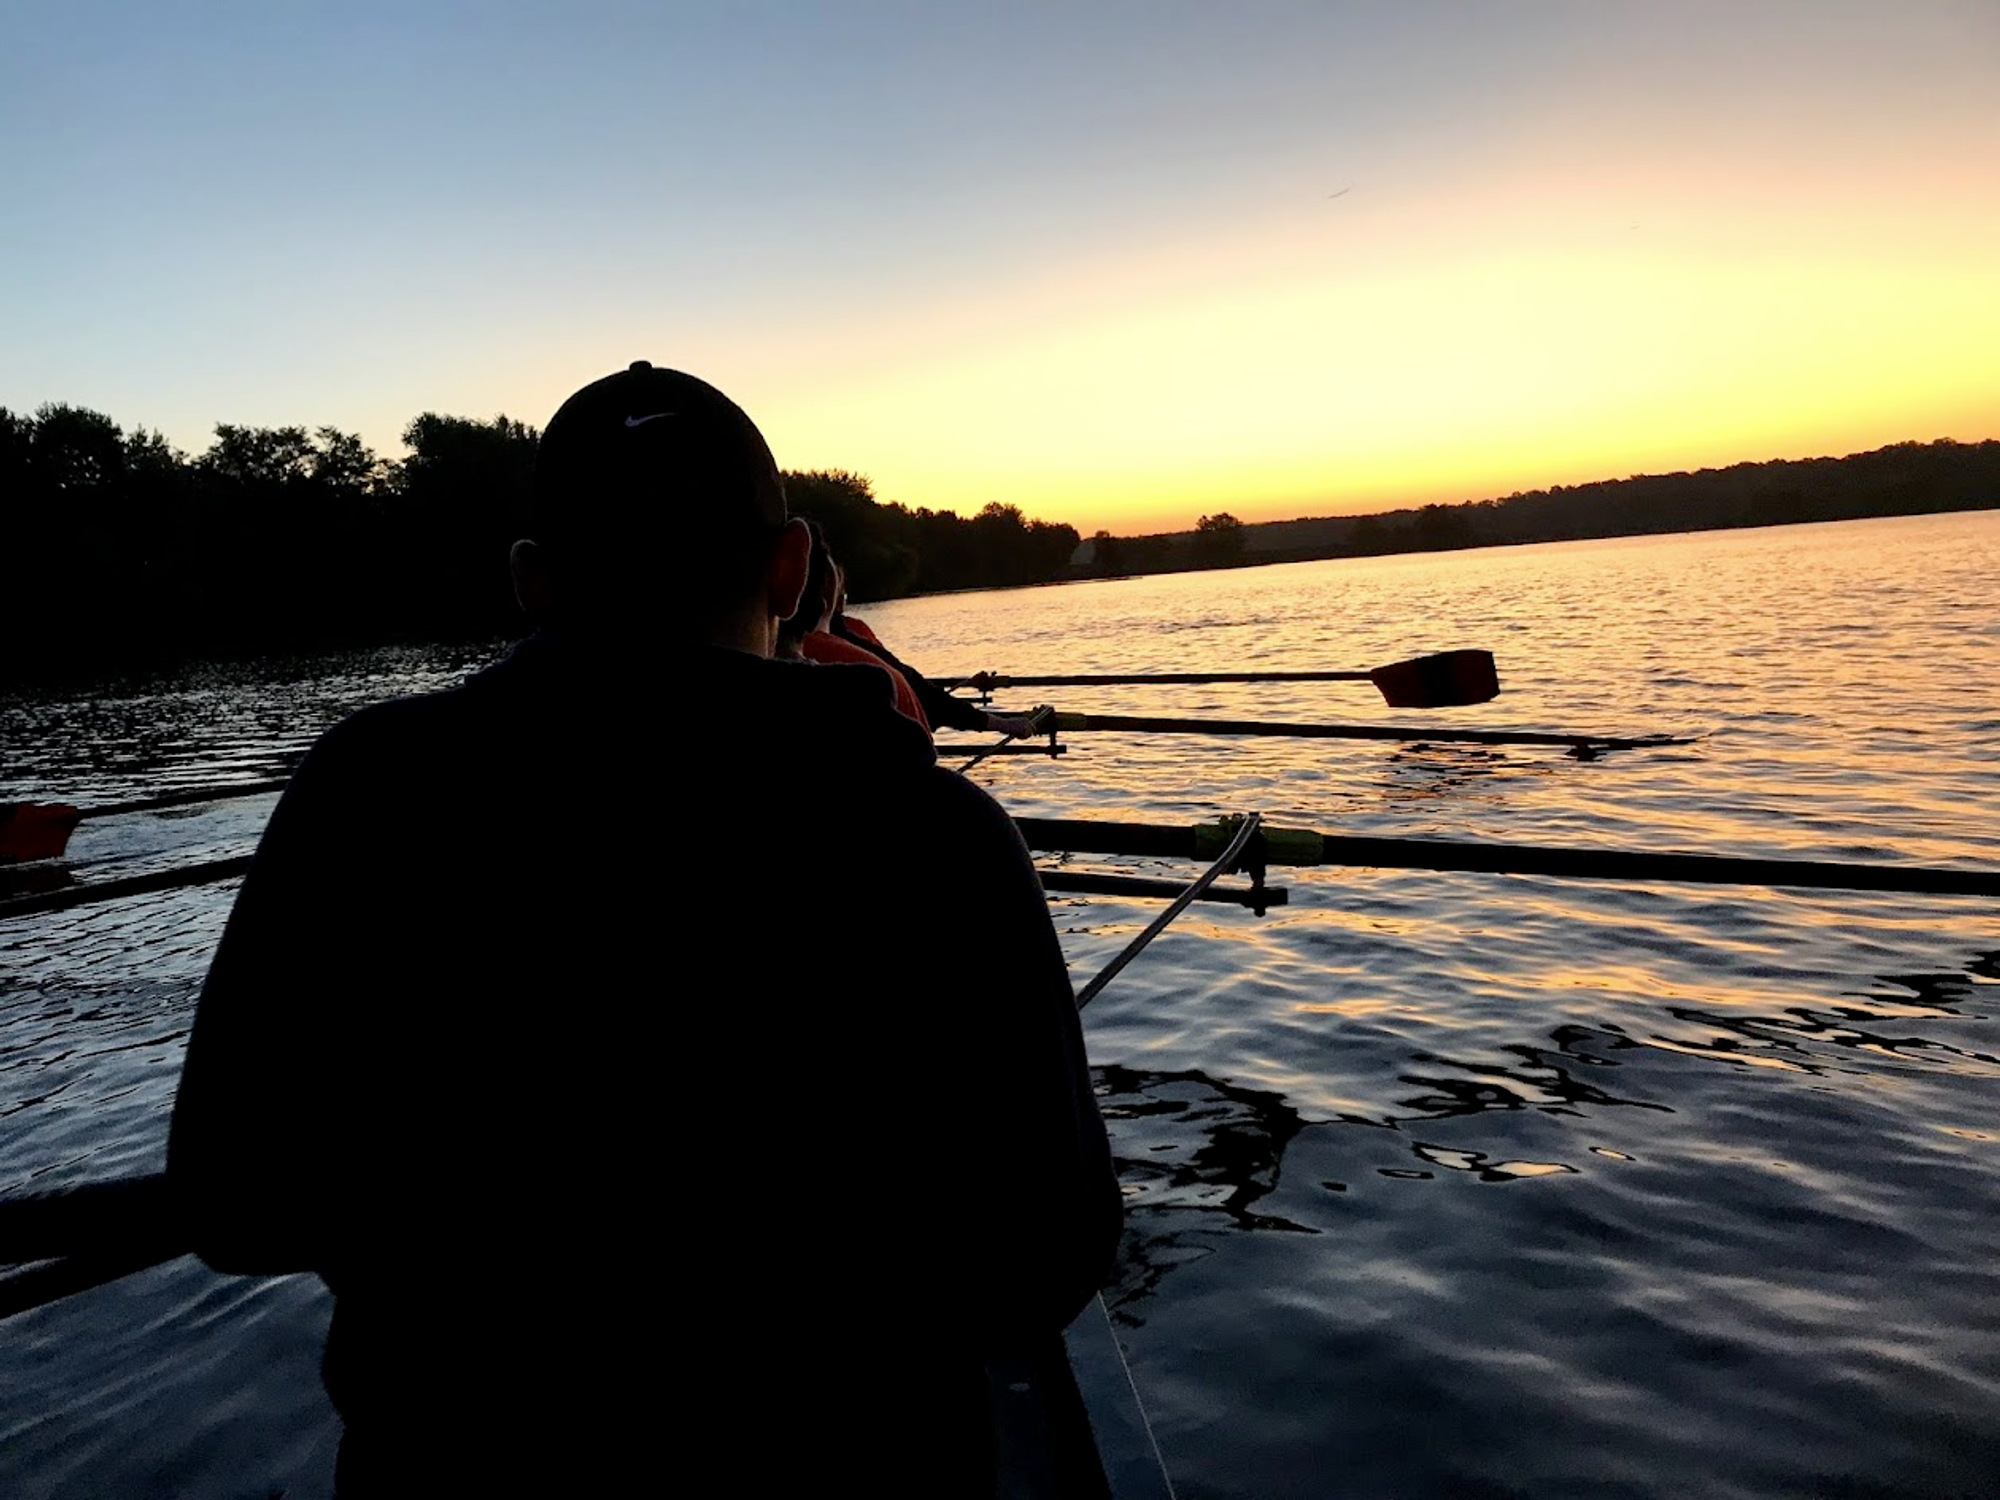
[755, 635]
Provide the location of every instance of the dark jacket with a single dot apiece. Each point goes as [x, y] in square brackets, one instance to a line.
[598, 1011]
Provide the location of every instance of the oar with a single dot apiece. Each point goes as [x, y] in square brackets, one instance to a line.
[1445, 679]
[1039, 721]
[1086, 883]
[88, 893]
[1285, 846]
[1228, 858]
[1584, 746]
[186, 797]
[40, 830]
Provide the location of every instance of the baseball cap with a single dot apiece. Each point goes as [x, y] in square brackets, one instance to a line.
[651, 459]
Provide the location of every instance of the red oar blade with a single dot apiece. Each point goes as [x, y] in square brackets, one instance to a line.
[30, 830]
[1448, 679]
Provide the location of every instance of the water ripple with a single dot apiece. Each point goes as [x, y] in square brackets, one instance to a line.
[1437, 1184]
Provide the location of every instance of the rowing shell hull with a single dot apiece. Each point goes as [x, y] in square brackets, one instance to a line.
[1069, 1422]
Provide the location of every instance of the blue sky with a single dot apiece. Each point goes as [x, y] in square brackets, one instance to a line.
[1024, 252]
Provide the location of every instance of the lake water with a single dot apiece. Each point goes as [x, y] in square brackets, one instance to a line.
[1437, 1184]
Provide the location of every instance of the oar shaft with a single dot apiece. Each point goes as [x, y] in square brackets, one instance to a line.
[987, 681]
[90, 892]
[1084, 883]
[1444, 679]
[184, 798]
[1671, 869]
[1090, 836]
[1300, 847]
[190, 796]
[1136, 724]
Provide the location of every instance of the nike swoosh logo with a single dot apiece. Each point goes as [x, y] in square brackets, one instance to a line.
[642, 421]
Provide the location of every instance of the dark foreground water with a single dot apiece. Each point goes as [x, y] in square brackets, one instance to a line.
[1439, 1185]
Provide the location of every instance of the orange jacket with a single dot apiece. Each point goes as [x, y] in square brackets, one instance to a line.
[820, 646]
[860, 628]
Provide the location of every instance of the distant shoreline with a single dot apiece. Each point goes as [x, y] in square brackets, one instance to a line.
[1259, 561]
[1902, 479]
[127, 555]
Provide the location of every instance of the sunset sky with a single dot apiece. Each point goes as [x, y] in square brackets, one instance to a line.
[1119, 264]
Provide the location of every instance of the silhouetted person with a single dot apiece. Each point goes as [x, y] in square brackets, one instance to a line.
[804, 636]
[628, 1142]
[940, 705]
[821, 630]
[817, 597]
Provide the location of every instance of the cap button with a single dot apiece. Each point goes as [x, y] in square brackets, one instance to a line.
[641, 364]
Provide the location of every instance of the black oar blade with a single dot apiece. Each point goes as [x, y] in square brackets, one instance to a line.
[1448, 679]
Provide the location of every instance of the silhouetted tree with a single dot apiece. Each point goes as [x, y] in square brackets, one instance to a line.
[284, 514]
[76, 539]
[1440, 527]
[1218, 539]
[122, 551]
[1107, 558]
[1366, 538]
[451, 511]
[865, 535]
[890, 549]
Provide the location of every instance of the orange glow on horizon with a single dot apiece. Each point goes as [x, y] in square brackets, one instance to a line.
[1544, 333]
[1511, 373]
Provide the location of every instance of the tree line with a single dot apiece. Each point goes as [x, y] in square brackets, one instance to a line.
[1901, 479]
[122, 552]
[125, 553]
[890, 550]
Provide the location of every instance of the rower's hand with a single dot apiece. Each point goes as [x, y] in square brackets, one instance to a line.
[1015, 726]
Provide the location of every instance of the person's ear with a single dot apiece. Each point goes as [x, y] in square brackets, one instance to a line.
[791, 559]
[532, 589]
